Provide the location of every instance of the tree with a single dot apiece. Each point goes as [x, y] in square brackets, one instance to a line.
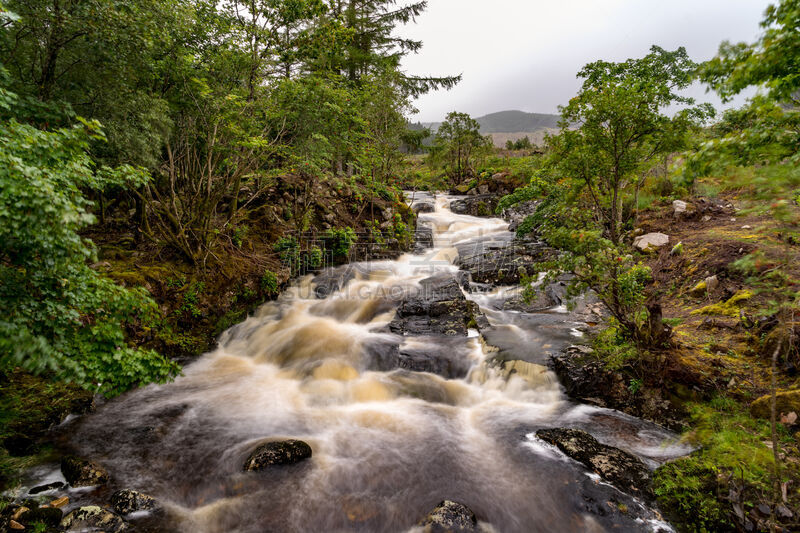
[458, 144]
[57, 314]
[523, 144]
[269, 33]
[611, 134]
[373, 46]
[623, 127]
[771, 61]
[105, 59]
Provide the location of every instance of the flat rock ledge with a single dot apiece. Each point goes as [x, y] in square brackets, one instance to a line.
[622, 469]
[450, 517]
[277, 453]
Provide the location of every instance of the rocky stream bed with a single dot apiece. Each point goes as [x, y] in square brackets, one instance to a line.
[416, 394]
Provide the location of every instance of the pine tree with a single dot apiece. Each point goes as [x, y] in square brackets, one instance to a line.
[372, 46]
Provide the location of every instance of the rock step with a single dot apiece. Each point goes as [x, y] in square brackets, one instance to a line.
[620, 468]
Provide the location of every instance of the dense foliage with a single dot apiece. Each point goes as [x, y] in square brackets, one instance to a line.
[58, 314]
[180, 117]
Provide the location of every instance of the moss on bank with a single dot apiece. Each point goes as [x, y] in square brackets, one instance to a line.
[29, 407]
[730, 477]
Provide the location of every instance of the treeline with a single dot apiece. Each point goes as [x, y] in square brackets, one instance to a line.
[182, 113]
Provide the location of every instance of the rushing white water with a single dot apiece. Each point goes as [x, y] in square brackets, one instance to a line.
[387, 445]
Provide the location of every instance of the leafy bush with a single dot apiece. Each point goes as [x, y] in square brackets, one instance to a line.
[339, 240]
[56, 313]
[269, 283]
[191, 300]
[612, 346]
[239, 234]
[288, 250]
[538, 186]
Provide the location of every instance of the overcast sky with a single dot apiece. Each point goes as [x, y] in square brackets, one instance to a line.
[524, 54]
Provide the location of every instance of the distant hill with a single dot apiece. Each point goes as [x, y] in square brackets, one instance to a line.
[509, 125]
[510, 121]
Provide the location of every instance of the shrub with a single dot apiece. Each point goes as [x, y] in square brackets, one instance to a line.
[57, 314]
[339, 240]
[269, 283]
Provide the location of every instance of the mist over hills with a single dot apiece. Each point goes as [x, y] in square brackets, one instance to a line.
[509, 125]
[510, 121]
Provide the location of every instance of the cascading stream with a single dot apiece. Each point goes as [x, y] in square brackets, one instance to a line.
[388, 445]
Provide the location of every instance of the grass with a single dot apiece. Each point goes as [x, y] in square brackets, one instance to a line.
[693, 489]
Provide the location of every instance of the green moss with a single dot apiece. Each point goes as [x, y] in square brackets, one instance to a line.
[692, 489]
[785, 402]
[29, 406]
[729, 307]
[229, 319]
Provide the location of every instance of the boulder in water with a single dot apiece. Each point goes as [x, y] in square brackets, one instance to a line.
[127, 501]
[450, 517]
[93, 518]
[83, 473]
[47, 487]
[277, 453]
[439, 308]
[423, 206]
[500, 262]
[479, 205]
[625, 471]
[423, 238]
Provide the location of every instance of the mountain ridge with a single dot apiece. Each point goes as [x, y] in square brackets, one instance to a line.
[508, 121]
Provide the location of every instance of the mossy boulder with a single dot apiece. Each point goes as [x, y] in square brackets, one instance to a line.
[82, 473]
[449, 517]
[785, 402]
[128, 501]
[93, 518]
[50, 516]
[277, 453]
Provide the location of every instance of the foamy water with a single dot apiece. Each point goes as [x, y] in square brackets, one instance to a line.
[388, 446]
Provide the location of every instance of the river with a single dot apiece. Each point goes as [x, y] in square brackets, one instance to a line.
[388, 443]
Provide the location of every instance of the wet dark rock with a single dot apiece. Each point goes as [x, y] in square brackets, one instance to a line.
[423, 238]
[49, 516]
[450, 517]
[479, 205]
[625, 471]
[499, 261]
[444, 365]
[331, 280]
[20, 444]
[83, 473]
[438, 308]
[45, 488]
[127, 501]
[277, 453]
[586, 379]
[423, 206]
[539, 302]
[92, 518]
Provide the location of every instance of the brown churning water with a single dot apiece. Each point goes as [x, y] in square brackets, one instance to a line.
[388, 446]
